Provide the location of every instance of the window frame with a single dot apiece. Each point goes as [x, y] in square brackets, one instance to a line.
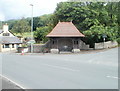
[13, 46]
[6, 34]
[7, 46]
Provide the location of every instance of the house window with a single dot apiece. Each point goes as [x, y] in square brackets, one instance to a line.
[6, 34]
[7, 46]
[13, 46]
[17, 45]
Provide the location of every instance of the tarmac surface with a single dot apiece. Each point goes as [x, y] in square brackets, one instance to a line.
[86, 70]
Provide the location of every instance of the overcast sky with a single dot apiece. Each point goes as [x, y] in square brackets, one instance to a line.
[16, 9]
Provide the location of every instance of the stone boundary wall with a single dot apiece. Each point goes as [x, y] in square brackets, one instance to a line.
[37, 48]
[40, 48]
[20, 49]
[83, 46]
[108, 44]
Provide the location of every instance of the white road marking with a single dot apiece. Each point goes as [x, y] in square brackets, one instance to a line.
[96, 61]
[59, 67]
[13, 82]
[114, 77]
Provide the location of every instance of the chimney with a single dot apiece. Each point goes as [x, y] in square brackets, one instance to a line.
[5, 27]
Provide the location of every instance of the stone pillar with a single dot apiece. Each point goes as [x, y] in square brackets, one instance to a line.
[57, 43]
[54, 50]
[73, 43]
[75, 49]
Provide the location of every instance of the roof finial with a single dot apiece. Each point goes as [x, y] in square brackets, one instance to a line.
[71, 20]
[59, 20]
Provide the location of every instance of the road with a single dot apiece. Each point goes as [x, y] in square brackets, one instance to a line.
[96, 70]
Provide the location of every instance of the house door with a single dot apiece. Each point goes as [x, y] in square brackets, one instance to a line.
[65, 44]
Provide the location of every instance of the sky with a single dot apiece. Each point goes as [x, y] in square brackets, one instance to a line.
[16, 9]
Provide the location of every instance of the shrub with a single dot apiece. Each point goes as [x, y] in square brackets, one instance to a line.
[118, 40]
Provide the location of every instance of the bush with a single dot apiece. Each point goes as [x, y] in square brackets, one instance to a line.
[118, 40]
[40, 34]
[24, 45]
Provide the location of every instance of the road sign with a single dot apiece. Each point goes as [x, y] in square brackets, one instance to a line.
[104, 36]
[31, 42]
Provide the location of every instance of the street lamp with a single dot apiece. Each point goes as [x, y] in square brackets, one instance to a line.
[32, 28]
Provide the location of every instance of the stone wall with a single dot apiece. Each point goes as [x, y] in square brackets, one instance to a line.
[83, 46]
[37, 48]
[108, 44]
[22, 49]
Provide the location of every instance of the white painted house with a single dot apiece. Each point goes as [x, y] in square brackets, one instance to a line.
[8, 41]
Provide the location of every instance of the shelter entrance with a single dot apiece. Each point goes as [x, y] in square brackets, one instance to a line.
[65, 44]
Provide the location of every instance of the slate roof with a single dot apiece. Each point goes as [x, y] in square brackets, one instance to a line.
[65, 29]
[9, 40]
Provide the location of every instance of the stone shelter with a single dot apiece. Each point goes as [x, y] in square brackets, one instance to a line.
[65, 37]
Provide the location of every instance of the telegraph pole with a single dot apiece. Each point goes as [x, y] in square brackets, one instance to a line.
[32, 28]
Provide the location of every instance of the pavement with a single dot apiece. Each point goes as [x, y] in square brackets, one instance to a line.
[81, 52]
[94, 70]
[7, 84]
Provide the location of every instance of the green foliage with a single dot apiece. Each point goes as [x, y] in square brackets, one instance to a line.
[118, 40]
[41, 21]
[24, 45]
[40, 34]
[96, 33]
[26, 34]
[21, 26]
[94, 19]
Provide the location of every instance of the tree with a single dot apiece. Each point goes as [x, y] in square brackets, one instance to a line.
[21, 27]
[92, 18]
[40, 21]
[40, 34]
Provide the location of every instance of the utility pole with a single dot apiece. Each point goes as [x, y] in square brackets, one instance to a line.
[1, 24]
[32, 28]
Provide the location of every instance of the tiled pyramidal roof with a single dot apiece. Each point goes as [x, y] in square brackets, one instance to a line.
[65, 29]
